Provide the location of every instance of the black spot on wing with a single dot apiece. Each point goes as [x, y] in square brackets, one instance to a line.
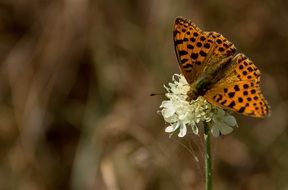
[183, 52]
[194, 55]
[177, 42]
[241, 110]
[187, 66]
[232, 104]
[236, 88]
[203, 54]
[189, 46]
[184, 60]
[198, 44]
[231, 94]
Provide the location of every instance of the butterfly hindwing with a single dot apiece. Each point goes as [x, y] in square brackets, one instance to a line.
[239, 90]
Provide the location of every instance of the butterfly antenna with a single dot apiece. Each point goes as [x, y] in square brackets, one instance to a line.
[163, 94]
[157, 94]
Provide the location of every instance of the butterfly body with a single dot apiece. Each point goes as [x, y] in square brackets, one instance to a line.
[209, 65]
[208, 79]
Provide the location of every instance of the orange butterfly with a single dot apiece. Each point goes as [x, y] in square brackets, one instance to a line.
[209, 65]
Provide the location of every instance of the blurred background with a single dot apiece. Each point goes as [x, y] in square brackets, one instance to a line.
[75, 110]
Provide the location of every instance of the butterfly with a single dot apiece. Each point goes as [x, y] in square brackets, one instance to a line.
[210, 66]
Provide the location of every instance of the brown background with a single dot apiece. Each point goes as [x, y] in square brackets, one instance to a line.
[75, 108]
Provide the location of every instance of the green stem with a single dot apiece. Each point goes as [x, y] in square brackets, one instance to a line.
[208, 157]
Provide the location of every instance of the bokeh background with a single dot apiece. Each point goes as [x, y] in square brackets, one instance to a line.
[75, 110]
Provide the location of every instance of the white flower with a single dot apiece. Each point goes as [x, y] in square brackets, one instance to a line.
[180, 113]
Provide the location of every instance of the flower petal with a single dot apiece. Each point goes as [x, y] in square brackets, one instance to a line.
[225, 129]
[230, 120]
[215, 131]
[172, 127]
[168, 109]
[183, 130]
[195, 129]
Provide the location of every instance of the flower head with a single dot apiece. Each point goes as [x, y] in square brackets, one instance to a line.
[180, 113]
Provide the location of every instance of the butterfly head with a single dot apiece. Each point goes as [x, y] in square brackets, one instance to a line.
[192, 94]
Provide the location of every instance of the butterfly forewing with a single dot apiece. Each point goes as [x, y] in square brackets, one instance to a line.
[188, 41]
[223, 48]
[196, 50]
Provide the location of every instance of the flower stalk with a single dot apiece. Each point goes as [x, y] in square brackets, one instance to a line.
[208, 157]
